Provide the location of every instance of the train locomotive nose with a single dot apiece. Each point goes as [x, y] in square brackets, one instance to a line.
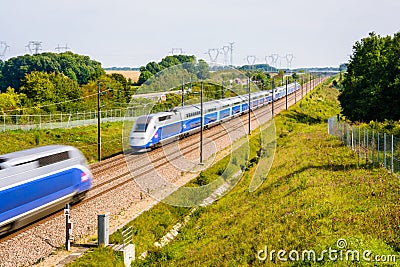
[137, 142]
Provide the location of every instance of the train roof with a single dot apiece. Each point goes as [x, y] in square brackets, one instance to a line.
[17, 157]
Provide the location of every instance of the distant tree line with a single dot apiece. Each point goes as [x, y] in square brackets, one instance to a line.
[68, 82]
[153, 67]
[371, 86]
[122, 68]
[78, 68]
[264, 67]
[64, 82]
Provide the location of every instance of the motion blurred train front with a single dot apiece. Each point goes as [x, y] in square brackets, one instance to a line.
[38, 181]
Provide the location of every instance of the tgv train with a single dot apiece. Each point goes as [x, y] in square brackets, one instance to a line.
[38, 181]
[151, 130]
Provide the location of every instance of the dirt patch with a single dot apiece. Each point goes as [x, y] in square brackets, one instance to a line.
[132, 74]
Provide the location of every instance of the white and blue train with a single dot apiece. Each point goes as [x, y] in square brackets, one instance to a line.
[150, 131]
[39, 181]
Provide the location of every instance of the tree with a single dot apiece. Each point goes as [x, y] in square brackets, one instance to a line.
[261, 78]
[1, 67]
[77, 67]
[144, 76]
[203, 70]
[371, 88]
[46, 89]
[152, 67]
[343, 67]
[10, 100]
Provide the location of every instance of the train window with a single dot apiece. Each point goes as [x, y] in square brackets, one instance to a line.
[164, 118]
[140, 127]
[51, 159]
[26, 162]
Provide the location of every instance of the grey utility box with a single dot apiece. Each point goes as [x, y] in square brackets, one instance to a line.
[102, 230]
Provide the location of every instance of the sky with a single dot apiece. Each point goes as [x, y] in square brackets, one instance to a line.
[131, 33]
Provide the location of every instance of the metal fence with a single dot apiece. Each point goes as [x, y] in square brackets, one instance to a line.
[63, 120]
[380, 149]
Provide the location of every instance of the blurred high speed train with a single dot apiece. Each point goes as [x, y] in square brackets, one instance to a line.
[38, 181]
[151, 130]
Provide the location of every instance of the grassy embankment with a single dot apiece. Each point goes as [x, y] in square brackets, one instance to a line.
[316, 193]
[84, 138]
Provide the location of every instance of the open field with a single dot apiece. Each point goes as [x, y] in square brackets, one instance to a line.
[132, 74]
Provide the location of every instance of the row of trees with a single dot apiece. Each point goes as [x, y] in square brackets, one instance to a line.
[371, 86]
[78, 68]
[68, 82]
[65, 82]
[152, 68]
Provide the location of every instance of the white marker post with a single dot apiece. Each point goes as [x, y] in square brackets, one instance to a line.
[68, 227]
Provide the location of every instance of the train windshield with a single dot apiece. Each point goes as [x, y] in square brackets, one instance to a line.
[141, 124]
[140, 127]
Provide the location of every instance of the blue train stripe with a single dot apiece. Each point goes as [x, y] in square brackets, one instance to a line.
[21, 199]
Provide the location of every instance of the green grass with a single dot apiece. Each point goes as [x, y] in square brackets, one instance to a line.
[315, 193]
[99, 257]
[84, 138]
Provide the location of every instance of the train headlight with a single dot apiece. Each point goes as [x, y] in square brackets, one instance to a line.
[84, 177]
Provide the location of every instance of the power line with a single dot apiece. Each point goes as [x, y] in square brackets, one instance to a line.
[251, 60]
[231, 48]
[289, 59]
[3, 49]
[177, 51]
[34, 47]
[225, 50]
[61, 49]
[213, 53]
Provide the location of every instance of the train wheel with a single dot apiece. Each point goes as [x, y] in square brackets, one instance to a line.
[6, 228]
[78, 198]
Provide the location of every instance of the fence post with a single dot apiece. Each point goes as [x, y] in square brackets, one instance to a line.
[379, 151]
[366, 146]
[366, 143]
[4, 120]
[373, 147]
[359, 142]
[392, 153]
[69, 120]
[51, 125]
[384, 149]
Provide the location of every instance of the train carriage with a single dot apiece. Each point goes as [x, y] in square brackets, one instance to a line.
[148, 131]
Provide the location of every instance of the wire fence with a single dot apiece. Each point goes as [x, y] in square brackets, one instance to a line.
[64, 120]
[380, 149]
